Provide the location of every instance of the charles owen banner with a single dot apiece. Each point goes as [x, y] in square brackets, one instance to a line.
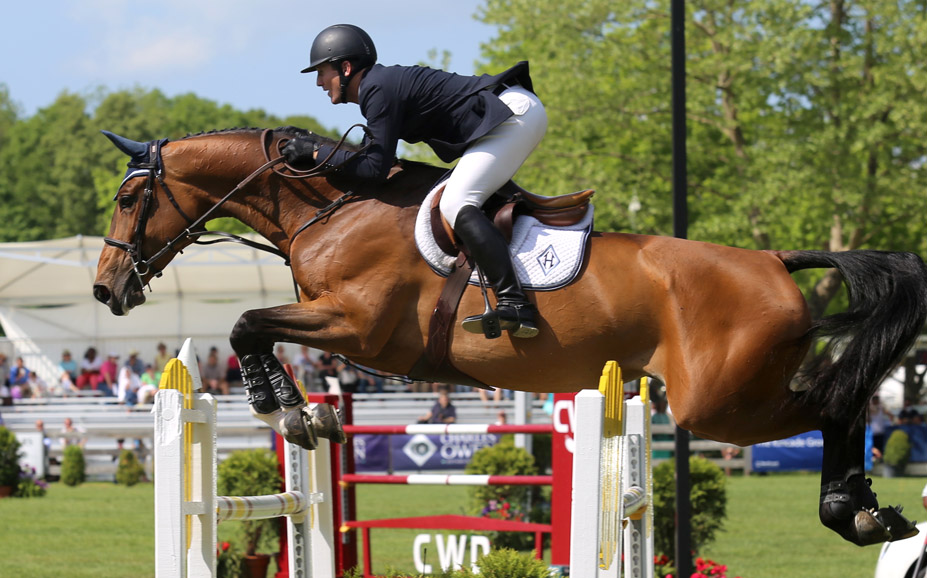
[403, 452]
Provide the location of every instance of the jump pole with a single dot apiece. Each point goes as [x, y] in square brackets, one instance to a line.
[612, 482]
[187, 509]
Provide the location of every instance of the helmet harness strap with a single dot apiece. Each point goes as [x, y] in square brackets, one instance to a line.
[345, 80]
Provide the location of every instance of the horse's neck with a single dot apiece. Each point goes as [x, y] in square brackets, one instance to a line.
[223, 161]
[276, 207]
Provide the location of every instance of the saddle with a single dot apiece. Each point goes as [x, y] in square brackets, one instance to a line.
[509, 202]
[502, 208]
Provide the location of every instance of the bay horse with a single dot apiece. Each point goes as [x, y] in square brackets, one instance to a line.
[726, 329]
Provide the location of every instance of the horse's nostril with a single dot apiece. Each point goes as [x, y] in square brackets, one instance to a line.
[101, 293]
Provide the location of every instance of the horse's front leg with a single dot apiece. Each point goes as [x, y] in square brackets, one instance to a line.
[274, 397]
[848, 505]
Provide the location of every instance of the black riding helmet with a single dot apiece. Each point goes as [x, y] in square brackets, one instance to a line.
[338, 43]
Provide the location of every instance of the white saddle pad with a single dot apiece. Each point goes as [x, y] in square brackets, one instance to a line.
[545, 258]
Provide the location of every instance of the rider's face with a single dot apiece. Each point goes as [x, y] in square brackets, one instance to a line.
[329, 80]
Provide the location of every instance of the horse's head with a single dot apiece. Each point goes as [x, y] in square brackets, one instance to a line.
[146, 231]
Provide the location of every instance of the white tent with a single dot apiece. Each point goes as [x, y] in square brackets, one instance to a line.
[46, 304]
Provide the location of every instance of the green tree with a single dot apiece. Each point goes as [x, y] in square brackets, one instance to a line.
[805, 121]
[58, 174]
[47, 189]
[9, 113]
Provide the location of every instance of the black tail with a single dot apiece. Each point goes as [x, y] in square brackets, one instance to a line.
[888, 306]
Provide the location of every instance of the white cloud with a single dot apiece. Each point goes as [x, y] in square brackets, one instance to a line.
[133, 39]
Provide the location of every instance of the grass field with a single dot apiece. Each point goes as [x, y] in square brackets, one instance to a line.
[103, 530]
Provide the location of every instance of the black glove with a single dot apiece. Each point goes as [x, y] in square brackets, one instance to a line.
[300, 151]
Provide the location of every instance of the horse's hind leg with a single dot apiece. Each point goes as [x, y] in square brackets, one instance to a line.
[848, 506]
[278, 400]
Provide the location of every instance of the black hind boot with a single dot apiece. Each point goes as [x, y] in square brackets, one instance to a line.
[848, 506]
[278, 401]
[490, 251]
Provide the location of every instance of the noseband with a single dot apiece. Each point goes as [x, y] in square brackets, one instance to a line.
[153, 169]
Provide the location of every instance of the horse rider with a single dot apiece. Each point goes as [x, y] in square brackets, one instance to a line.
[491, 123]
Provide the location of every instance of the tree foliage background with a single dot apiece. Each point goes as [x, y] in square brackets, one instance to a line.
[58, 174]
[807, 124]
[806, 120]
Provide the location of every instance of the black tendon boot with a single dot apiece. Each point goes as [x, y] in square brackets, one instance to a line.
[260, 393]
[489, 250]
[321, 421]
[286, 390]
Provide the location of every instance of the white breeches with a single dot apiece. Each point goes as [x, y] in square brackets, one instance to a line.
[495, 158]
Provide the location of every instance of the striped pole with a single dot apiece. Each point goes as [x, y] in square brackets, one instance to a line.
[448, 480]
[293, 504]
[448, 429]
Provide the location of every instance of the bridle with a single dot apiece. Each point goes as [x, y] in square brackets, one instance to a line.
[153, 170]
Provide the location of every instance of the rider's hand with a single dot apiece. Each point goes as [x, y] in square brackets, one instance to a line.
[300, 151]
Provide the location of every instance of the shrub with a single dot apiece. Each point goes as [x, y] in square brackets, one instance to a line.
[897, 449]
[9, 458]
[130, 471]
[709, 503]
[228, 561]
[505, 563]
[73, 467]
[28, 486]
[502, 459]
[251, 473]
[505, 502]
[541, 448]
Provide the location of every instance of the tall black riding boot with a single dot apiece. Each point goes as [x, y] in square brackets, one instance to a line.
[490, 251]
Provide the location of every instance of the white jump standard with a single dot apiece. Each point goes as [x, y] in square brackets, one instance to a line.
[187, 509]
[612, 476]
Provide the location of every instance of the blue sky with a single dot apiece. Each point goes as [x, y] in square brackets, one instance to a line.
[245, 53]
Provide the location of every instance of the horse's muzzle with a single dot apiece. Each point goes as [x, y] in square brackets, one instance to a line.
[132, 297]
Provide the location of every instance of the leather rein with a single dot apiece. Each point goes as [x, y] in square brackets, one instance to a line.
[196, 227]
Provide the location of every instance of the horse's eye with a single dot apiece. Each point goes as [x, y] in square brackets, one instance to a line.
[126, 201]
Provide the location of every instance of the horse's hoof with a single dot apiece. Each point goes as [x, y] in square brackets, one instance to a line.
[867, 527]
[298, 429]
[897, 525]
[327, 423]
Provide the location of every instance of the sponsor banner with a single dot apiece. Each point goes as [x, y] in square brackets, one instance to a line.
[801, 452]
[805, 451]
[403, 452]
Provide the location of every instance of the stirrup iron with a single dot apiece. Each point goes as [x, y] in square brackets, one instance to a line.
[486, 323]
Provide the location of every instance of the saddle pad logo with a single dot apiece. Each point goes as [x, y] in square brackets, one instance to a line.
[548, 260]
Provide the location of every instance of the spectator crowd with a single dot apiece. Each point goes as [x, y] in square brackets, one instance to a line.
[134, 379]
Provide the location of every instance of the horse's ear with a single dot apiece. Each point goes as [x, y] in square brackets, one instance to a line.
[130, 147]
